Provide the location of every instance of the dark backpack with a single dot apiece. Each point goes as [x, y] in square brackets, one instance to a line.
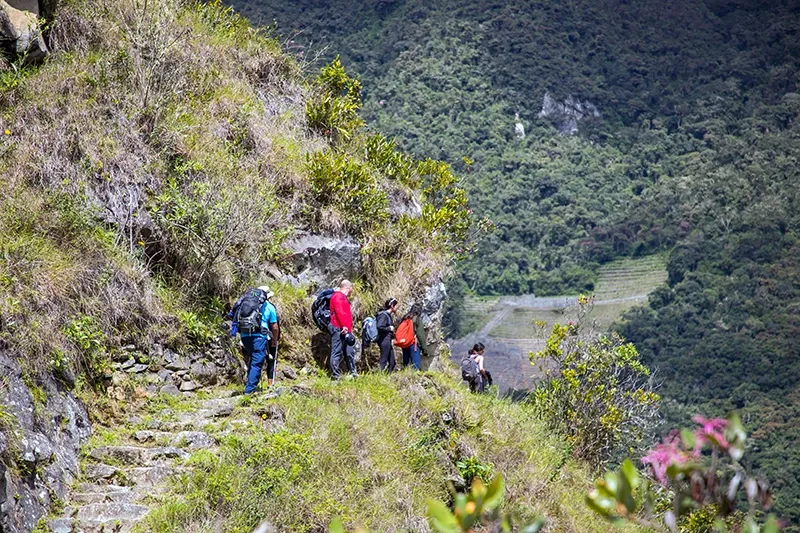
[248, 314]
[469, 369]
[321, 309]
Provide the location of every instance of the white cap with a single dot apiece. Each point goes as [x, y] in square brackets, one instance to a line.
[265, 288]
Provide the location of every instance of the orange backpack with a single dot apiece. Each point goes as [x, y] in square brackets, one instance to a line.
[404, 336]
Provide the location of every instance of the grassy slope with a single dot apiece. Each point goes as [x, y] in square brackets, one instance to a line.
[371, 451]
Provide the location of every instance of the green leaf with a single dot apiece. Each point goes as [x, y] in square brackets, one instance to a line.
[688, 438]
[600, 504]
[771, 526]
[631, 474]
[441, 519]
[750, 525]
[736, 436]
[534, 527]
[494, 493]
[336, 525]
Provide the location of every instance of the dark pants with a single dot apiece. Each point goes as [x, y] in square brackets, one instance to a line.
[411, 355]
[386, 361]
[478, 384]
[256, 348]
[339, 349]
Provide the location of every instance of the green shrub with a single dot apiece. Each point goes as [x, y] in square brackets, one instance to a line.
[85, 333]
[333, 111]
[472, 467]
[384, 156]
[596, 393]
[207, 226]
[348, 187]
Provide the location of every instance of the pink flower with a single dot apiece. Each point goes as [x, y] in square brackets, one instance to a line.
[663, 455]
[710, 430]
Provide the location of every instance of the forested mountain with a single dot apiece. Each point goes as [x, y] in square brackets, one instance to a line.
[695, 152]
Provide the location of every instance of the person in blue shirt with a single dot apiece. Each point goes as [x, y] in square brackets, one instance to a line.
[261, 346]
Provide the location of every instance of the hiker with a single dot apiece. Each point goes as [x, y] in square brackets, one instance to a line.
[256, 320]
[472, 370]
[411, 354]
[341, 330]
[383, 320]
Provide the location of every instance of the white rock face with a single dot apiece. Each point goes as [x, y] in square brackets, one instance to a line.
[519, 128]
[324, 260]
[567, 114]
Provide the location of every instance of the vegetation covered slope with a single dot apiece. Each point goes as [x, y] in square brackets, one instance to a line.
[160, 161]
[695, 154]
[370, 451]
[156, 164]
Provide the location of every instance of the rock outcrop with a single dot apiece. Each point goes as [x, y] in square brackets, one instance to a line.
[42, 427]
[20, 32]
[324, 260]
[568, 113]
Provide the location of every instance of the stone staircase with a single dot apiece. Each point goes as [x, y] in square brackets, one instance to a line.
[120, 483]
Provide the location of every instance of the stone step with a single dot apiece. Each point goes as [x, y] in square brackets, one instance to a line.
[88, 494]
[150, 476]
[193, 440]
[99, 472]
[126, 455]
[101, 518]
[136, 455]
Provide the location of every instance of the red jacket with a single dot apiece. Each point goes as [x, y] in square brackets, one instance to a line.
[341, 317]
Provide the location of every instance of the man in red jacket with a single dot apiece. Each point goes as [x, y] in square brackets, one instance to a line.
[341, 330]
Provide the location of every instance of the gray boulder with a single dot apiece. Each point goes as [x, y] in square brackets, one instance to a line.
[20, 34]
[324, 260]
[205, 373]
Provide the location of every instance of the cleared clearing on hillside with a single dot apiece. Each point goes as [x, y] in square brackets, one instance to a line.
[621, 285]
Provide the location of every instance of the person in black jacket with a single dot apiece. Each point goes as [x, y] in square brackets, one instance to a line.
[383, 321]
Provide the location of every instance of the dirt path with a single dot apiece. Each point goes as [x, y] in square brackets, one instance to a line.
[507, 304]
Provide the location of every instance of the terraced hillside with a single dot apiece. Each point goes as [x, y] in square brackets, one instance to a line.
[507, 325]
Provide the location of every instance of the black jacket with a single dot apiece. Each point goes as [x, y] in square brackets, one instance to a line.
[383, 321]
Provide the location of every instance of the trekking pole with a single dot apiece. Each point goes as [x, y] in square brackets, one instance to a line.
[275, 367]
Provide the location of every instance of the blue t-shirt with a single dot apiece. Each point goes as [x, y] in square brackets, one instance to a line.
[269, 316]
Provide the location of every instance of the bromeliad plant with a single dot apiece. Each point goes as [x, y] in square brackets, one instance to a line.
[479, 510]
[698, 473]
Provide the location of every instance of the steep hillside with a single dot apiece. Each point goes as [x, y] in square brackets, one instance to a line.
[164, 157]
[694, 152]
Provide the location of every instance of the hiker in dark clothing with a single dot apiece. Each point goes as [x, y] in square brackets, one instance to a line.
[479, 379]
[383, 320]
[411, 355]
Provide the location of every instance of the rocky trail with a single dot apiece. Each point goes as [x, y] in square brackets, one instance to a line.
[120, 482]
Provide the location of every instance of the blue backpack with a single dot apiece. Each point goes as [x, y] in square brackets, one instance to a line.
[369, 330]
